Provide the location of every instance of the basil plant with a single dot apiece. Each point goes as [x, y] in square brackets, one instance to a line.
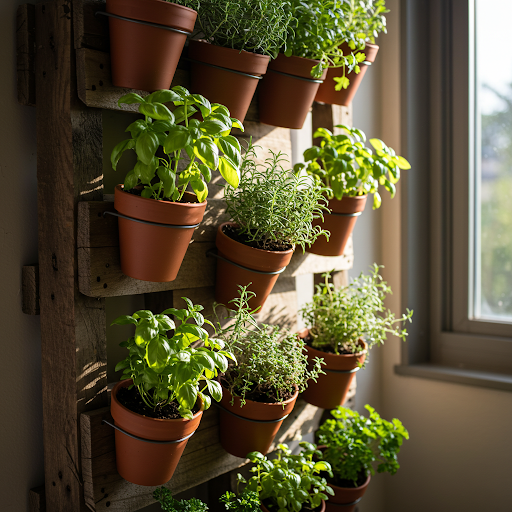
[166, 368]
[344, 165]
[207, 143]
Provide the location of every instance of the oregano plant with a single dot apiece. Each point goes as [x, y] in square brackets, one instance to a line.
[355, 444]
[206, 142]
[339, 318]
[166, 368]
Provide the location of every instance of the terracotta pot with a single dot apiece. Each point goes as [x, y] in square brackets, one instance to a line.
[257, 435]
[287, 91]
[340, 226]
[229, 276]
[153, 252]
[220, 85]
[144, 463]
[330, 390]
[142, 56]
[326, 92]
[345, 495]
[322, 508]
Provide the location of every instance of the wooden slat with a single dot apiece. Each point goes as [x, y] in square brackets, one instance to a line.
[202, 460]
[90, 31]
[36, 500]
[25, 54]
[30, 289]
[69, 168]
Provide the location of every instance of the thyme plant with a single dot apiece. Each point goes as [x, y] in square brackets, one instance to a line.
[170, 504]
[246, 501]
[339, 318]
[289, 482]
[346, 167]
[275, 206]
[270, 361]
[354, 444]
[258, 26]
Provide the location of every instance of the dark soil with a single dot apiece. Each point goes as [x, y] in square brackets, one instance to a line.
[349, 484]
[266, 245]
[137, 191]
[305, 507]
[263, 394]
[132, 400]
[328, 350]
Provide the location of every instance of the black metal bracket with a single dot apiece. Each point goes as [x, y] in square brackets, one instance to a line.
[248, 419]
[213, 252]
[297, 77]
[146, 440]
[140, 22]
[356, 214]
[345, 504]
[173, 226]
[341, 371]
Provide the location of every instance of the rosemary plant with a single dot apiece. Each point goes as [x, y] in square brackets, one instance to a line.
[275, 206]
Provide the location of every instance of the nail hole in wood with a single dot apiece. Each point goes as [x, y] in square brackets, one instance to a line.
[54, 484]
[44, 74]
[102, 489]
[53, 296]
[107, 504]
[98, 279]
[93, 87]
[60, 475]
[104, 285]
[107, 265]
[68, 488]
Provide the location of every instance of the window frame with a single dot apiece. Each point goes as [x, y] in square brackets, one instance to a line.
[437, 125]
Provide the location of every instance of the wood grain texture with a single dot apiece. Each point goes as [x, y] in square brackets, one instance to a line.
[90, 31]
[202, 460]
[72, 326]
[36, 499]
[25, 54]
[30, 289]
[328, 116]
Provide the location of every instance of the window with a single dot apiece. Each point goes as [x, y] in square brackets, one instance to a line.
[457, 202]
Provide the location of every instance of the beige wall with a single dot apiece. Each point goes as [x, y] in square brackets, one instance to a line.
[458, 457]
[21, 445]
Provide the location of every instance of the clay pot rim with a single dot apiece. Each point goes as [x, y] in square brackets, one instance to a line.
[231, 50]
[120, 187]
[300, 61]
[280, 404]
[302, 334]
[261, 251]
[113, 397]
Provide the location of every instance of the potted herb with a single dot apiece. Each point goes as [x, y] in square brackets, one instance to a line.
[365, 21]
[247, 501]
[344, 324]
[272, 368]
[315, 33]
[353, 445]
[240, 37]
[350, 171]
[162, 395]
[143, 55]
[289, 482]
[158, 215]
[272, 211]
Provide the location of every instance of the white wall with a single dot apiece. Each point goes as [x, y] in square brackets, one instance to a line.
[21, 443]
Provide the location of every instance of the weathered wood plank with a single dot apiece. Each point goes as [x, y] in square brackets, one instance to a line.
[25, 54]
[69, 167]
[30, 289]
[90, 31]
[328, 116]
[202, 460]
[36, 499]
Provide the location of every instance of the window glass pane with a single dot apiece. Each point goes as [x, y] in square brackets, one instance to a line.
[493, 162]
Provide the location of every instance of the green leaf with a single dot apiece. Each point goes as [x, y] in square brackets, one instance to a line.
[203, 104]
[237, 124]
[119, 150]
[145, 172]
[206, 172]
[213, 127]
[146, 146]
[196, 331]
[377, 201]
[122, 365]
[207, 152]
[377, 144]
[163, 96]
[231, 148]
[179, 113]
[157, 353]
[130, 98]
[124, 320]
[402, 163]
[161, 126]
[229, 171]
[144, 333]
[220, 361]
[187, 395]
[137, 127]
[312, 153]
[217, 108]
[178, 138]
[130, 180]
[207, 401]
[200, 189]
[181, 91]
[205, 360]
[165, 323]
[178, 313]
[156, 111]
